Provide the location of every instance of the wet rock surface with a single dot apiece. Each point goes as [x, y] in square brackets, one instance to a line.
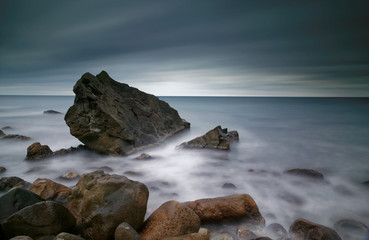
[100, 202]
[113, 118]
[51, 112]
[216, 138]
[40, 219]
[15, 200]
[50, 190]
[171, 219]
[276, 231]
[230, 208]
[302, 229]
[125, 231]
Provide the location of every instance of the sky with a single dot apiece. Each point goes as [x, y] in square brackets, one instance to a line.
[187, 47]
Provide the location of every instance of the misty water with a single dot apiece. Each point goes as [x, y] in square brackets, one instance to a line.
[330, 135]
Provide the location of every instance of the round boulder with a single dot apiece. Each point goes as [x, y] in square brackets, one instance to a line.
[100, 202]
[303, 229]
[171, 219]
[41, 219]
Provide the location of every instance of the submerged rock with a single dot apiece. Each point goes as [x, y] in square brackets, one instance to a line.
[2, 134]
[38, 151]
[51, 112]
[125, 231]
[40, 219]
[2, 169]
[276, 231]
[7, 183]
[171, 219]
[15, 200]
[16, 137]
[245, 234]
[143, 156]
[217, 138]
[351, 229]
[230, 208]
[307, 173]
[113, 118]
[303, 229]
[70, 176]
[100, 202]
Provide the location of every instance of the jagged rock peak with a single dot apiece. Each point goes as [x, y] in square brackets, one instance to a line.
[113, 118]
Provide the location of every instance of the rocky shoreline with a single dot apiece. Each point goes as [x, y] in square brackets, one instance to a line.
[103, 206]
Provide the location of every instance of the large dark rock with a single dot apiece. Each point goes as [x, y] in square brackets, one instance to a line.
[230, 208]
[7, 183]
[40, 219]
[38, 151]
[116, 119]
[100, 202]
[171, 219]
[217, 138]
[15, 200]
[303, 229]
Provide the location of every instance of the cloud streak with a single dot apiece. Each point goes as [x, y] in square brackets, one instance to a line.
[272, 48]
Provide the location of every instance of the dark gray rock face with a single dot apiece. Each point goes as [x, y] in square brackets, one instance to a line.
[40, 219]
[100, 202]
[113, 118]
[217, 138]
[15, 200]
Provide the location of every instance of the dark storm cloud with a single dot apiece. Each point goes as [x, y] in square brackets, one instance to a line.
[200, 47]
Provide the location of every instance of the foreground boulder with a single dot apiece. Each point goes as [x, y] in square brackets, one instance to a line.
[303, 229]
[116, 119]
[217, 138]
[38, 151]
[230, 208]
[100, 202]
[171, 219]
[50, 190]
[15, 200]
[41, 219]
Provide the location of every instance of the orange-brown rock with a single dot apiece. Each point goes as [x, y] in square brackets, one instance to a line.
[38, 151]
[303, 229]
[50, 190]
[203, 234]
[171, 219]
[234, 207]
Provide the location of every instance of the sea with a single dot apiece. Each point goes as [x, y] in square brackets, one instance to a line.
[330, 135]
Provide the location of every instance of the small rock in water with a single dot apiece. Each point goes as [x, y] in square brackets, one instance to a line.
[366, 183]
[70, 176]
[7, 128]
[133, 173]
[2, 169]
[51, 112]
[217, 138]
[38, 151]
[245, 234]
[16, 137]
[308, 173]
[144, 156]
[125, 231]
[351, 229]
[303, 229]
[7, 183]
[2, 134]
[276, 230]
[229, 186]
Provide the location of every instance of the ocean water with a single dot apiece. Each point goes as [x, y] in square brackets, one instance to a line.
[330, 135]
